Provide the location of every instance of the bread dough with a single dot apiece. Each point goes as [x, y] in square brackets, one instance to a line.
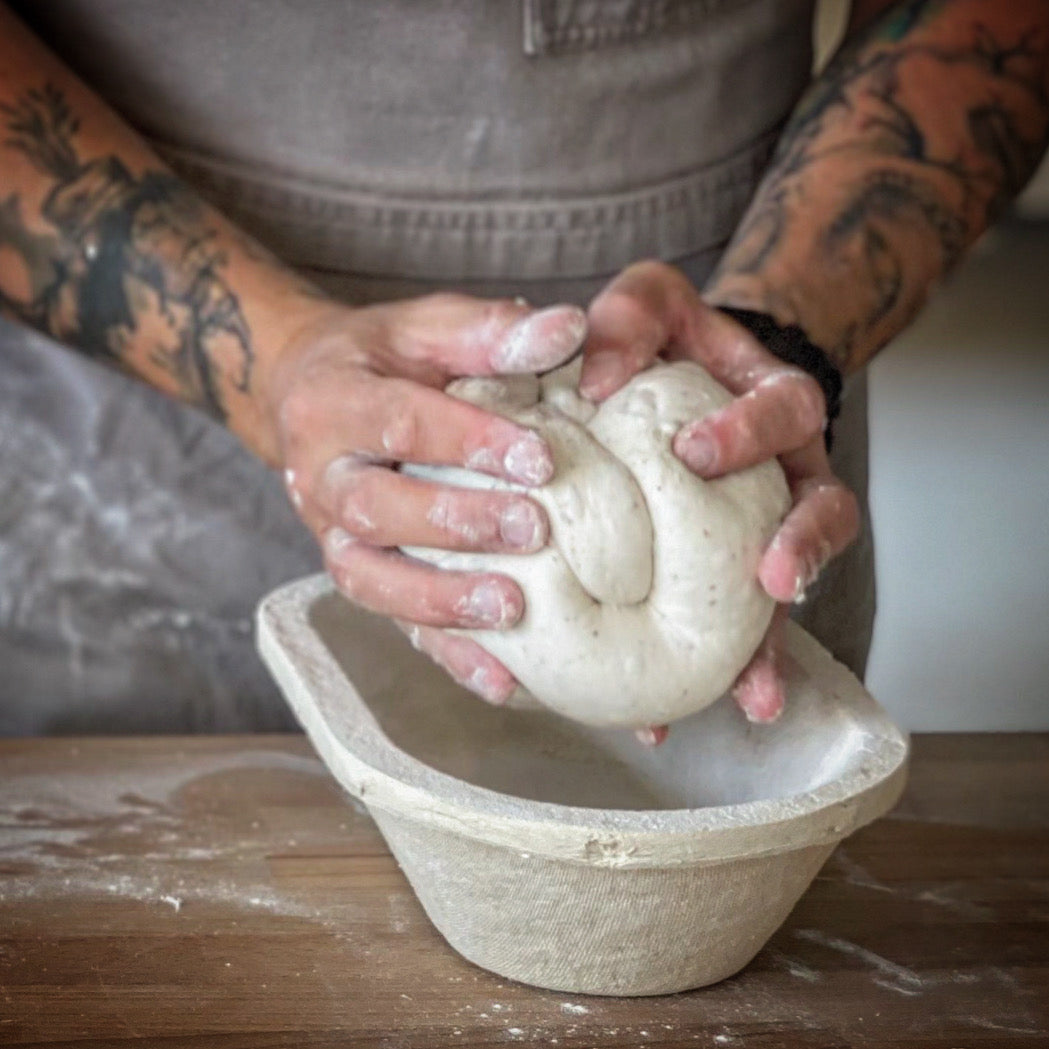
[645, 604]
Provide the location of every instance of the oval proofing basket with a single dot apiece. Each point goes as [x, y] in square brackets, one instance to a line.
[571, 857]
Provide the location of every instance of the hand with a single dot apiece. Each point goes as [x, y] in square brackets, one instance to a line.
[653, 310]
[359, 391]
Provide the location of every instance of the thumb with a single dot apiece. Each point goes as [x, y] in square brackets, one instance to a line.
[631, 322]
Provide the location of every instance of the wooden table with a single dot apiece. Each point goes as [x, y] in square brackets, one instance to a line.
[221, 892]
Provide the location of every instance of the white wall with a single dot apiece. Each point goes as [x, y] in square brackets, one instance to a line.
[960, 487]
[960, 495]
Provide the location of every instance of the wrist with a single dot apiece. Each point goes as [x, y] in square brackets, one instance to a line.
[295, 321]
[793, 295]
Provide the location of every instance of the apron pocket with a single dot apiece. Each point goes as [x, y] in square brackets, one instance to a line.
[557, 26]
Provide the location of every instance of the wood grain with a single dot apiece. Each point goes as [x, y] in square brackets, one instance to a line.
[222, 892]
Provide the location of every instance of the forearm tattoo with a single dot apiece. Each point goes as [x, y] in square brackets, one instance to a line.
[123, 266]
[904, 150]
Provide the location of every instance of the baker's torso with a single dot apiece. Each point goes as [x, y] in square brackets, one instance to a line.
[497, 146]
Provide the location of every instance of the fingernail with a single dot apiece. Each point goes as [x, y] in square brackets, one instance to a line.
[521, 526]
[696, 451]
[602, 374]
[336, 542]
[528, 460]
[540, 340]
[490, 605]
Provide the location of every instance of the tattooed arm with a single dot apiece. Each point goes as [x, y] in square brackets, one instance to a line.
[929, 120]
[106, 250]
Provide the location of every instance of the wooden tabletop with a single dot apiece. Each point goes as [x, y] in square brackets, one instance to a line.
[220, 891]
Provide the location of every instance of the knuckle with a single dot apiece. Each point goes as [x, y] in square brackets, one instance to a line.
[639, 321]
[502, 313]
[348, 582]
[297, 409]
[740, 432]
[652, 269]
[850, 513]
[440, 605]
[810, 404]
[456, 517]
[791, 402]
[400, 434]
[359, 503]
[835, 507]
[627, 305]
[435, 644]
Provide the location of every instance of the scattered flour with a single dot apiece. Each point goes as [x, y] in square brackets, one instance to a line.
[892, 977]
[574, 1010]
[122, 834]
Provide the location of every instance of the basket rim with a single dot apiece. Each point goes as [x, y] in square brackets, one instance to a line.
[376, 771]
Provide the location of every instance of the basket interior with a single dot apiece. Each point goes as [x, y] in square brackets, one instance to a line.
[713, 758]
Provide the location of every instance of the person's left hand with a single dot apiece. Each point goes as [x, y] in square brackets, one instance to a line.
[653, 310]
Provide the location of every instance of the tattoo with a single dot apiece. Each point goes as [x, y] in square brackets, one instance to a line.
[125, 267]
[880, 185]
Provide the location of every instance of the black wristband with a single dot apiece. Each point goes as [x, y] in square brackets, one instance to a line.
[792, 345]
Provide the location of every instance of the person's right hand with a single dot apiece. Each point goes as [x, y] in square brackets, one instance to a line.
[359, 392]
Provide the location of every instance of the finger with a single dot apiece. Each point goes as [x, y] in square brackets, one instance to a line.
[652, 308]
[470, 336]
[469, 664]
[309, 510]
[784, 411]
[652, 735]
[824, 521]
[398, 420]
[723, 346]
[759, 690]
[388, 582]
[630, 322]
[391, 509]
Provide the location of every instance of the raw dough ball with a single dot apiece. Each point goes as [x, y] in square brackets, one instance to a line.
[645, 605]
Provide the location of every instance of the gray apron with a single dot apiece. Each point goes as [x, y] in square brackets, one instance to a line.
[529, 147]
